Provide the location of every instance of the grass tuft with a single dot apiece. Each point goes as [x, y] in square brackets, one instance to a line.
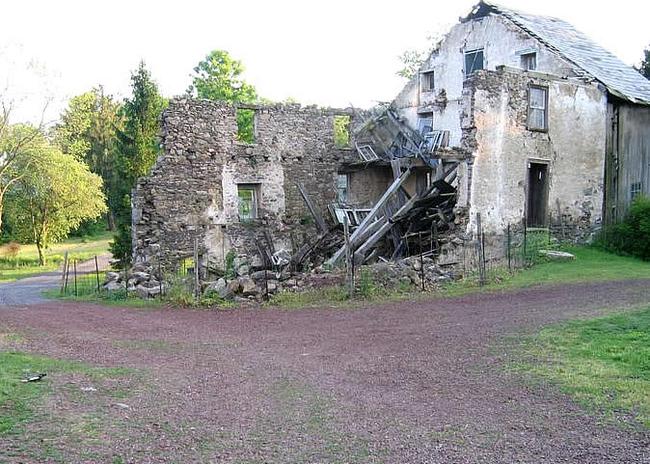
[603, 362]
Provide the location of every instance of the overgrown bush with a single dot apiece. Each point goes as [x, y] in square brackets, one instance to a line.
[632, 235]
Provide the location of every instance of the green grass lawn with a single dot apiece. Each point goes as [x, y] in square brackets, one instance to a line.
[25, 264]
[604, 363]
[590, 265]
[19, 400]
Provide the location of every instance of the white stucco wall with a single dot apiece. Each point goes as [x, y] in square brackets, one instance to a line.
[501, 42]
[573, 147]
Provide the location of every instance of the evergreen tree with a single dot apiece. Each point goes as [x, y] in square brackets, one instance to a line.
[138, 148]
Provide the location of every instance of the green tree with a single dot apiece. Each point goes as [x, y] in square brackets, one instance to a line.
[18, 145]
[644, 67]
[138, 148]
[71, 134]
[88, 131]
[411, 63]
[54, 196]
[219, 77]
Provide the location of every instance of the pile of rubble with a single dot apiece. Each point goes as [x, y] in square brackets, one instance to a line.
[409, 272]
[247, 284]
[138, 280]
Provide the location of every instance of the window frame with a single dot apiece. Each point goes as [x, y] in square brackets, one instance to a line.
[470, 52]
[342, 199]
[254, 213]
[427, 81]
[531, 108]
[524, 57]
[422, 117]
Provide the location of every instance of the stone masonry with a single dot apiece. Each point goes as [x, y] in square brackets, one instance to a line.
[192, 191]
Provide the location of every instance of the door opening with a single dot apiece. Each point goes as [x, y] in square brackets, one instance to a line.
[537, 194]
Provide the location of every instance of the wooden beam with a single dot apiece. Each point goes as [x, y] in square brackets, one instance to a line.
[320, 222]
[369, 219]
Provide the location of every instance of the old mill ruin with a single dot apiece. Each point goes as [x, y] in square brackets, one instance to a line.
[504, 127]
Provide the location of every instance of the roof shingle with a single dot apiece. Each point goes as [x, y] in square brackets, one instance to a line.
[620, 79]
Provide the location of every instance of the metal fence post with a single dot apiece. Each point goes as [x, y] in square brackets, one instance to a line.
[75, 277]
[421, 261]
[509, 250]
[97, 273]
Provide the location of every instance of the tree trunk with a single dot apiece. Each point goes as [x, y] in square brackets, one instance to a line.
[41, 257]
[110, 221]
[1, 210]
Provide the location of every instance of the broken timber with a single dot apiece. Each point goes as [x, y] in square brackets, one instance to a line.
[320, 222]
[372, 221]
[431, 210]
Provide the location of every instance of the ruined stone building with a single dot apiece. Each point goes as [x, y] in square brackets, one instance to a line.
[520, 118]
[547, 118]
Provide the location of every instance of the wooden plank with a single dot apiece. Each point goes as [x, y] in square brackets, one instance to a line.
[320, 222]
[361, 230]
[361, 251]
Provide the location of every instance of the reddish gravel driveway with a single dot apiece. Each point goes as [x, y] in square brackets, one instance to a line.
[410, 382]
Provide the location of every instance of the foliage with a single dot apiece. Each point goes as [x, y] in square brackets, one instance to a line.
[230, 271]
[19, 145]
[342, 131]
[88, 131]
[219, 77]
[644, 66]
[412, 61]
[603, 362]
[138, 149]
[11, 250]
[53, 197]
[632, 235]
[367, 286]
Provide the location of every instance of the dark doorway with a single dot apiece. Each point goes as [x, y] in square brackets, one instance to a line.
[537, 193]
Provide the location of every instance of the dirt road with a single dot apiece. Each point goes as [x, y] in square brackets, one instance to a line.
[28, 291]
[410, 382]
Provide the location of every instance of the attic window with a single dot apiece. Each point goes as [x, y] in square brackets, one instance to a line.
[427, 81]
[529, 61]
[473, 61]
[537, 108]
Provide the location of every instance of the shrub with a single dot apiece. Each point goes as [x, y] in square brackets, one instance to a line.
[11, 250]
[632, 235]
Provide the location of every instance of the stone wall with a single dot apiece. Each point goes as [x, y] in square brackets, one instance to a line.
[191, 192]
[502, 147]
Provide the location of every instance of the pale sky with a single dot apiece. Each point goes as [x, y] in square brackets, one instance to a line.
[331, 53]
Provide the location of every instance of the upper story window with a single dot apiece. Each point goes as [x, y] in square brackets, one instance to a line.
[473, 61]
[537, 108]
[427, 81]
[246, 125]
[529, 61]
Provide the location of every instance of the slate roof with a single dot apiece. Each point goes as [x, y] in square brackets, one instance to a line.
[620, 79]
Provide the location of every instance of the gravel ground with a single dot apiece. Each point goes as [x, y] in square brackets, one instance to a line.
[409, 382]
